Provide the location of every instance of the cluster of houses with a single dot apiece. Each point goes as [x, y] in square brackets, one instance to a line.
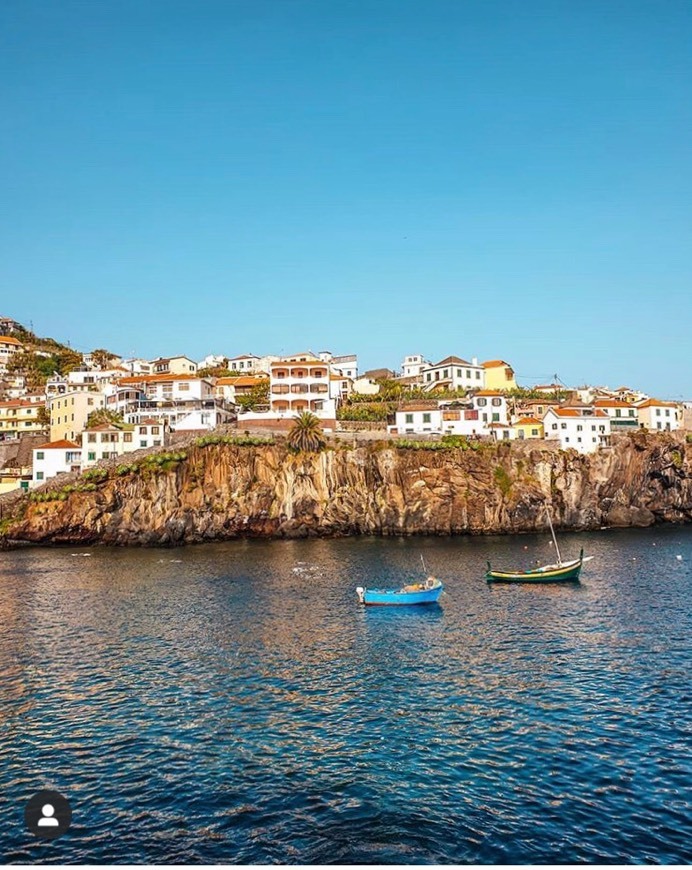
[154, 401]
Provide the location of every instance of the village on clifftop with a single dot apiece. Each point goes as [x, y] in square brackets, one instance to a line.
[63, 411]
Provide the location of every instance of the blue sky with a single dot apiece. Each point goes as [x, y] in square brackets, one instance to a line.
[484, 178]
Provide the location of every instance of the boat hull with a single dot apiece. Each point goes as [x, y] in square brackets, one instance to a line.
[399, 597]
[569, 571]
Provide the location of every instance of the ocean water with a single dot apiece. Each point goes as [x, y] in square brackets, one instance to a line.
[234, 703]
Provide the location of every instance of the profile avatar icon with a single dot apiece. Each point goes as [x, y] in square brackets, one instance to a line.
[48, 819]
[48, 814]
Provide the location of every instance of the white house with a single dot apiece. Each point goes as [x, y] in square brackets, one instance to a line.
[183, 401]
[54, 458]
[581, 429]
[623, 415]
[453, 373]
[346, 364]
[9, 346]
[174, 365]
[212, 361]
[418, 418]
[297, 383]
[658, 416]
[491, 406]
[413, 365]
[106, 441]
[244, 363]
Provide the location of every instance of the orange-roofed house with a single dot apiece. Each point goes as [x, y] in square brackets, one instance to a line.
[623, 416]
[498, 375]
[527, 428]
[229, 389]
[54, 458]
[582, 429]
[659, 416]
[9, 346]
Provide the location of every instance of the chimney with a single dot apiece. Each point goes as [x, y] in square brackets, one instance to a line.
[474, 360]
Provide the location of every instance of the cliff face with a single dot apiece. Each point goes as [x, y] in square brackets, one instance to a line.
[224, 491]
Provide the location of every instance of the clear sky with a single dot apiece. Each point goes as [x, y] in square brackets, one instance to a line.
[487, 178]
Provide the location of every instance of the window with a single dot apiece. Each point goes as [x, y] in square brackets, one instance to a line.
[496, 402]
[154, 430]
[409, 418]
[618, 413]
[91, 456]
[667, 412]
[426, 418]
[127, 437]
[563, 425]
[40, 454]
[142, 443]
[445, 373]
[579, 427]
[458, 373]
[429, 376]
[579, 439]
[468, 373]
[39, 475]
[478, 376]
[566, 440]
[554, 426]
[534, 432]
[658, 412]
[183, 387]
[142, 430]
[593, 428]
[482, 403]
[90, 401]
[496, 418]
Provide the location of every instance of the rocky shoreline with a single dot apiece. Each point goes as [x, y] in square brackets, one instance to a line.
[231, 487]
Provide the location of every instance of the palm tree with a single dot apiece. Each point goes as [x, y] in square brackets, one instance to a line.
[306, 434]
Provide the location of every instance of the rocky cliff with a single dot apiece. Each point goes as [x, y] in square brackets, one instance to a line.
[225, 490]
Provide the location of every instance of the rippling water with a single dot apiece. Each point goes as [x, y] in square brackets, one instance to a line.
[234, 703]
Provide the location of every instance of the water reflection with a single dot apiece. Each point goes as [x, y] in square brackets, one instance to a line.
[236, 702]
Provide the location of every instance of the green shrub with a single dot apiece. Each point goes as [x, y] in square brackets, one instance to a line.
[502, 479]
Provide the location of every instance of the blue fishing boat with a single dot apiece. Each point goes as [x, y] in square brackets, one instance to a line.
[426, 592]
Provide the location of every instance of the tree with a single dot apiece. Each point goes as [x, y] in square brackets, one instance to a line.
[104, 415]
[258, 395]
[43, 416]
[305, 435]
[101, 357]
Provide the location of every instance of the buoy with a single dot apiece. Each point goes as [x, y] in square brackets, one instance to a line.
[679, 558]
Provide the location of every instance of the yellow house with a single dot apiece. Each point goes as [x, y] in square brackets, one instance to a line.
[20, 417]
[498, 375]
[527, 428]
[69, 413]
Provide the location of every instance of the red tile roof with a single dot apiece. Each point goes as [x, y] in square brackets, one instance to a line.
[495, 363]
[58, 445]
[654, 403]
[9, 339]
[529, 421]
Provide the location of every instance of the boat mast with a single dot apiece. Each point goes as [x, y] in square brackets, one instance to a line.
[552, 532]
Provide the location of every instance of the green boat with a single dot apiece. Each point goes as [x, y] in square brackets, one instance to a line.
[542, 573]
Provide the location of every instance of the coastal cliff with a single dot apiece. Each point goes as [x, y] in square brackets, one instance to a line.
[226, 488]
